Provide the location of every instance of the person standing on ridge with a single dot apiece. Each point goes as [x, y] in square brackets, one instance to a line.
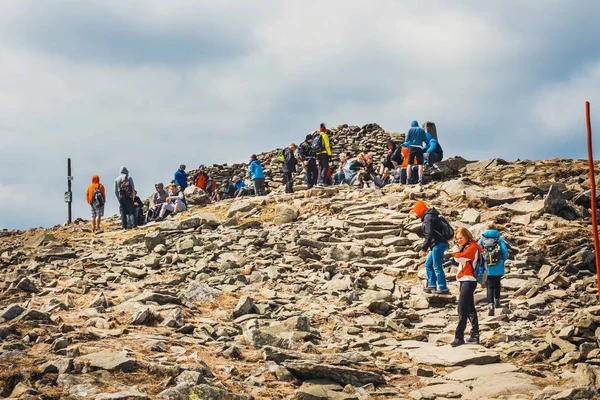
[415, 139]
[289, 167]
[434, 241]
[308, 158]
[256, 174]
[96, 198]
[181, 177]
[201, 178]
[322, 149]
[124, 188]
[466, 251]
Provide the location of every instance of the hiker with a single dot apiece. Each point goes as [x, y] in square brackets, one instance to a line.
[466, 251]
[495, 252]
[246, 187]
[393, 159]
[96, 198]
[158, 198]
[181, 177]
[403, 178]
[238, 184]
[139, 209]
[434, 246]
[366, 171]
[355, 169]
[201, 178]
[225, 191]
[415, 138]
[124, 188]
[257, 175]
[343, 167]
[321, 148]
[289, 167]
[433, 152]
[308, 158]
[174, 203]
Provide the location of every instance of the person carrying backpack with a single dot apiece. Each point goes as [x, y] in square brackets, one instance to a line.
[289, 167]
[308, 158]
[96, 198]
[124, 191]
[466, 252]
[495, 253]
[437, 232]
[257, 175]
[321, 148]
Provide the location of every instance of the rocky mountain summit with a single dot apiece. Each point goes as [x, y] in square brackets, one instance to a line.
[312, 295]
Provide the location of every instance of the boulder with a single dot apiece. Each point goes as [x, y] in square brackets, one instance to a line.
[196, 196]
[285, 213]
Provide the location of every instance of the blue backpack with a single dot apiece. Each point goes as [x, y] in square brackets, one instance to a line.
[317, 144]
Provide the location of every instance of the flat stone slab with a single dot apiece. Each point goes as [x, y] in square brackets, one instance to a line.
[447, 356]
[506, 384]
[472, 372]
[342, 375]
[445, 390]
[109, 361]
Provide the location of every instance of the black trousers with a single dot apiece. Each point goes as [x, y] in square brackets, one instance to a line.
[259, 186]
[323, 166]
[126, 208]
[311, 173]
[289, 182]
[466, 310]
[493, 288]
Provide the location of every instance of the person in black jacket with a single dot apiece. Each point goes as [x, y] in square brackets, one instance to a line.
[289, 167]
[393, 158]
[139, 209]
[435, 242]
[309, 160]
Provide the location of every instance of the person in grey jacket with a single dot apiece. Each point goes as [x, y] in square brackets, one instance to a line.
[124, 191]
[289, 167]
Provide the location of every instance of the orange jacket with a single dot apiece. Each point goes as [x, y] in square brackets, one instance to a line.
[465, 261]
[201, 181]
[92, 187]
[405, 157]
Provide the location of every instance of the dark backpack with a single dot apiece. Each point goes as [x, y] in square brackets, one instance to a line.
[97, 198]
[125, 189]
[317, 144]
[480, 267]
[444, 228]
[439, 151]
[492, 253]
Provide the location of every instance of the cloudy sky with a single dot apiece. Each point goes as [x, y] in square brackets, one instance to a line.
[151, 84]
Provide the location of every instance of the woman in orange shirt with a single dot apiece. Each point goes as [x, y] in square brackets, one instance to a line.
[465, 252]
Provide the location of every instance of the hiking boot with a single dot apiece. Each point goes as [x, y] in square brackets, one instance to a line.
[457, 342]
[474, 339]
[497, 303]
[158, 219]
[429, 289]
[491, 310]
[440, 291]
[420, 182]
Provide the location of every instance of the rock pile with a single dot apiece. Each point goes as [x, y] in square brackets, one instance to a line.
[314, 295]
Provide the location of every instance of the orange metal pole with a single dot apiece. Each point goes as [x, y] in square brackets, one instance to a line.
[593, 193]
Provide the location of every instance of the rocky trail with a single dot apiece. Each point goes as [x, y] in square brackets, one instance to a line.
[314, 295]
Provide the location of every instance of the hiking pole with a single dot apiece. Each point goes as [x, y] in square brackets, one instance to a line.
[593, 193]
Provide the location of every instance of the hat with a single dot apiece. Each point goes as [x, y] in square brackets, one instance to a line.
[182, 166]
[322, 125]
[389, 141]
[420, 208]
[309, 137]
[201, 166]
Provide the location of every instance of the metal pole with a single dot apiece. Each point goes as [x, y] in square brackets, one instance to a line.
[593, 194]
[70, 198]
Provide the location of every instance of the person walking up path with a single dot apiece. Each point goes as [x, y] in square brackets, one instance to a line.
[96, 198]
[495, 252]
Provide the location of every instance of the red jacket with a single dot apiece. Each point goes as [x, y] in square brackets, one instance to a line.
[465, 259]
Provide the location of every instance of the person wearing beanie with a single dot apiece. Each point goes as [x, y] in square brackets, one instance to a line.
[96, 198]
[181, 177]
[309, 161]
[415, 140]
[323, 155]
[158, 198]
[434, 246]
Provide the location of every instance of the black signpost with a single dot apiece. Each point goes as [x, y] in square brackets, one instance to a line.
[68, 193]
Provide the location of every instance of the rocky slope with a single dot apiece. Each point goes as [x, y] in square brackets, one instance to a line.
[315, 295]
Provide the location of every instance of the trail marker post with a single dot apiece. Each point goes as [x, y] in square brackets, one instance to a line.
[68, 193]
[593, 193]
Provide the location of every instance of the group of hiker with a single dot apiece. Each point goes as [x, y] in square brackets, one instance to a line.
[479, 261]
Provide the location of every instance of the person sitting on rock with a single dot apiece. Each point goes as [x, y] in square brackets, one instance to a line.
[96, 198]
[238, 184]
[355, 168]
[415, 139]
[433, 152]
[367, 172]
[401, 174]
[434, 246]
[225, 191]
[201, 178]
[466, 251]
[139, 209]
[392, 161]
[247, 188]
[496, 253]
[343, 168]
[174, 203]
[158, 199]
[256, 174]
[289, 167]
[181, 177]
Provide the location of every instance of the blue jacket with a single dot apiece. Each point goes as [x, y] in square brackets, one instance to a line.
[240, 184]
[498, 269]
[256, 171]
[181, 179]
[431, 143]
[415, 136]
